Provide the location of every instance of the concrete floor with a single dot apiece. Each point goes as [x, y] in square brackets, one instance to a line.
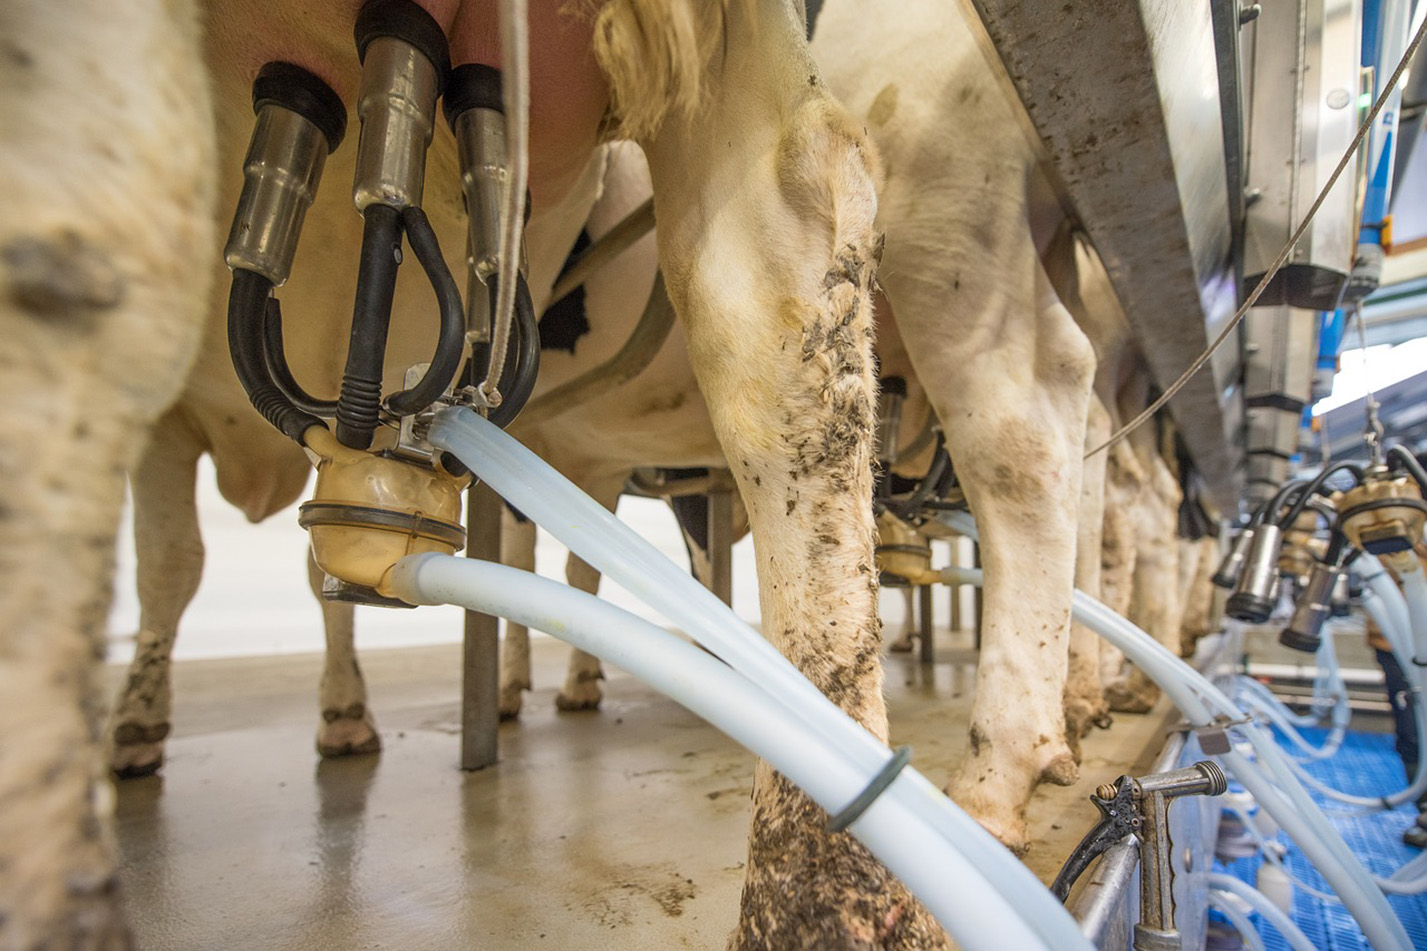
[623, 828]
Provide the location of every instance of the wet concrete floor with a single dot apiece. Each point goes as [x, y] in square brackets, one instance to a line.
[622, 828]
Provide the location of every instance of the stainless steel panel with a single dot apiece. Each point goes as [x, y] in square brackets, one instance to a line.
[1302, 118]
[1281, 352]
[1125, 98]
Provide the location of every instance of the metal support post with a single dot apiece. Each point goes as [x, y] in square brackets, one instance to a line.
[480, 652]
[976, 599]
[721, 538]
[925, 622]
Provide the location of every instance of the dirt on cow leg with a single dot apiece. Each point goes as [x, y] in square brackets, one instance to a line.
[169, 553]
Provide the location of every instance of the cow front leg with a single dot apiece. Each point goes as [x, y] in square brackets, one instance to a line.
[169, 552]
[765, 203]
[517, 549]
[347, 727]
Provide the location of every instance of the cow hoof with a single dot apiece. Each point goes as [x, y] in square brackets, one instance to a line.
[584, 696]
[1079, 718]
[901, 646]
[137, 749]
[1124, 698]
[137, 761]
[1072, 740]
[1009, 831]
[347, 736]
[1103, 720]
[512, 696]
[1061, 771]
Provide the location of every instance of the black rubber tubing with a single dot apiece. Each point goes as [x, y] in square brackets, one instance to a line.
[275, 358]
[1410, 463]
[451, 343]
[1312, 489]
[522, 364]
[472, 86]
[247, 304]
[359, 405]
[300, 91]
[404, 20]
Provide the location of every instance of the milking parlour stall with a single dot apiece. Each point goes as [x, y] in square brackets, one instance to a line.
[998, 428]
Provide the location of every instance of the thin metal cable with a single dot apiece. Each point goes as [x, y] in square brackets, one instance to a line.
[1373, 433]
[1278, 262]
[515, 53]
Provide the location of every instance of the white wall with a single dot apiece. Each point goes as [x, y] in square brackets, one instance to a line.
[254, 597]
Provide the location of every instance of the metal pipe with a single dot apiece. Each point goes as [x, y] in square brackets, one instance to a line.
[636, 354]
[615, 242]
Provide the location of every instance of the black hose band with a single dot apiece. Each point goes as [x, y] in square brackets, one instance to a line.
[889, 772]
[348, 515]
[472, 86]
[404, 20]
[303, 92]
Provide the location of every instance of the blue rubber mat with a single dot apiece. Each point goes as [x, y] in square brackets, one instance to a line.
[1366, 765]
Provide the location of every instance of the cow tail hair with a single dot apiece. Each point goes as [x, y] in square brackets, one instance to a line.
[655, 54]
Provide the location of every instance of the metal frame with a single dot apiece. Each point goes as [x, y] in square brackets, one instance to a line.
[1125, 98]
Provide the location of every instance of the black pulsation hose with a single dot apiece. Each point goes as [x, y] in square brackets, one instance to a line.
[275, 358]
[522, 364]
[1313, 488]
[1269, 510]
[451, 343]
[1410, 463]
[247, 303]
[359, 405]
[929, 482]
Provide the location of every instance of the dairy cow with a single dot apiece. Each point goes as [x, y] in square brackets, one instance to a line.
[106, 234]
[764, 192]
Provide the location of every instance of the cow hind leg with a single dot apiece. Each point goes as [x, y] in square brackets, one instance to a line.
[1123, 483]
[1085, 704]
[170, 565]
[1018, 459]
[766, 205]
[1154, 602]
[347, 727]
[582, 689]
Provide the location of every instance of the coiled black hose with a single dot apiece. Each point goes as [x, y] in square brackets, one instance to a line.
[247, 305]
[451, 343]
[359, 405]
